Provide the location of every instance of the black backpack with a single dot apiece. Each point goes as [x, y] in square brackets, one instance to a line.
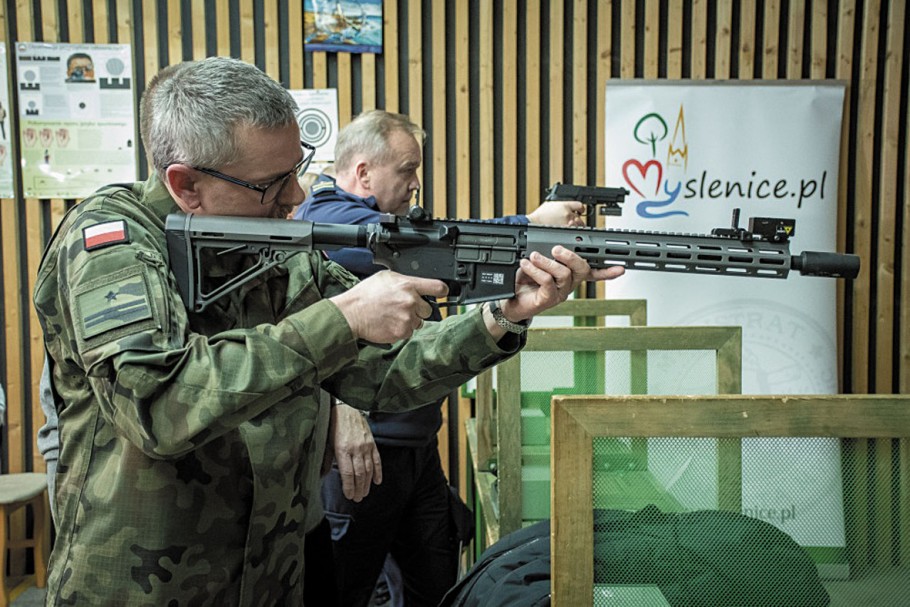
[703, 558]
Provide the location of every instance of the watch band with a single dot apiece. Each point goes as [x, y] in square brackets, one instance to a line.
[505, 323]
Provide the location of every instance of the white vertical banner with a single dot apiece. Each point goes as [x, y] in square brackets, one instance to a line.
[690, 153]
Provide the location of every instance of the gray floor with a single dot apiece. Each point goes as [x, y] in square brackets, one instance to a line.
[32, 597]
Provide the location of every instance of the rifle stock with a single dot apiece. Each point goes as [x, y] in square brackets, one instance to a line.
[478, 260]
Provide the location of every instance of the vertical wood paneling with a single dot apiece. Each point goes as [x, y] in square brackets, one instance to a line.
[862, 195]
[438, 126]
[344, 86]
[652, 38]
[390, 54]
[247, 32]
[819, 51]
[508, 112]
[174, 33]
[555, 66]
[604, 64]
[628, 32]
[723, 42]
[320, 71]
[415, 69]
[771, 39]
[795, 24]
[904, 314]
[485, 132]
[295, 44]
[125, 23]
[579, 128]
[14, 386]
[270, 29]
[222, 21]
[368, 63]
[747, 40]
[674, 39]
[150, 40]
[101, 21]
[699, 39]
[462, 113]
[199, 33]
[74, 16]
[532, 96]
[888, 203]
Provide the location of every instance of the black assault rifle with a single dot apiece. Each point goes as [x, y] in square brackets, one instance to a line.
[478, 260]
[605, 199]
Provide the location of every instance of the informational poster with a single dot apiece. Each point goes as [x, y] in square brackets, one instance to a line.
[342, 26]
[690, 153]
[318, 119]
[76, 118]
[6, 159]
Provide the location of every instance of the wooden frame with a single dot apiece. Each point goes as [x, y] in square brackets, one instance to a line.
[586, 312]
[576, 421]
[502, 507]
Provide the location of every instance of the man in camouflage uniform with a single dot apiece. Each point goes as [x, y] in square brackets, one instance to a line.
[190, 443]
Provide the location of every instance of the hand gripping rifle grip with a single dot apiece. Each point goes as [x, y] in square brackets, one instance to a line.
[815, 263]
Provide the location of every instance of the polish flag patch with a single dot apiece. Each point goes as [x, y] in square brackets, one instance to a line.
[104, 234]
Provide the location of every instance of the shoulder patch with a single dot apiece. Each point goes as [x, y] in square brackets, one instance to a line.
[105, 234]
[122, 301]
[322, 185]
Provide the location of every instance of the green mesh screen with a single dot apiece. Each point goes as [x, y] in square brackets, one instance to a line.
[761, 521]
[560, 372]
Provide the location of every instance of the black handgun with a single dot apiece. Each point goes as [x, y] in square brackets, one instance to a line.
[606, 200]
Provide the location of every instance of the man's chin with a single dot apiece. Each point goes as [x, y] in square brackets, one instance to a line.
[281, 211]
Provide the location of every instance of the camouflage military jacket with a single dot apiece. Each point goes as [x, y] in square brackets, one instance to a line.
[190, 444]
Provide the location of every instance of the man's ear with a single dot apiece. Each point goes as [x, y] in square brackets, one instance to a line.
[182, 183]
[362, 174]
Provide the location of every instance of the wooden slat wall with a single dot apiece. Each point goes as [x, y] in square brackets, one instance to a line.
[511, 94]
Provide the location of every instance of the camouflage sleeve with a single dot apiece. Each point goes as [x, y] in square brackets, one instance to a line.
[168, 389]
[434, 361]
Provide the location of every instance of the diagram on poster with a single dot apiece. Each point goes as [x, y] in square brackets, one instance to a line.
[77, 123]
[6, 161]
[318, 120]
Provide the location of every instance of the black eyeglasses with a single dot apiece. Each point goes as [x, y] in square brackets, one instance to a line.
[271, 190]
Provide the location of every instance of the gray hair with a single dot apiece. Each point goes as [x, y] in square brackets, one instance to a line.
[190, 112]
[368, 134]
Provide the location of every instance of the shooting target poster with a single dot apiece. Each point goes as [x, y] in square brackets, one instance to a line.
[318, 119]
[76, 117]
[6, 161]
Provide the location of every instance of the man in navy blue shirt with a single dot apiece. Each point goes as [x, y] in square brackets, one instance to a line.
[406, 513]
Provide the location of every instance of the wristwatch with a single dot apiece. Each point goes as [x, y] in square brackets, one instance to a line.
[512, 327]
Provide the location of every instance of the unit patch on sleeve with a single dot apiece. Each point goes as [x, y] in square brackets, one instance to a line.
[121, 302]
[105, 234]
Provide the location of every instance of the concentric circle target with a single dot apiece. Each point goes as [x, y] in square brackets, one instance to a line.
[315, 126]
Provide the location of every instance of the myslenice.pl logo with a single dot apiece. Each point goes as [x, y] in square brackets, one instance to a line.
[662, 178]
[779, 516]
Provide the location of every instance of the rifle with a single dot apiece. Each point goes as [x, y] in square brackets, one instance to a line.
[478, 260]
[605, 199]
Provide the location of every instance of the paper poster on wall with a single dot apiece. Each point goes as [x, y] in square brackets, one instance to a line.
[690, 153]
[76, 118]
[342, 26]
[318, 119]
[6, 160]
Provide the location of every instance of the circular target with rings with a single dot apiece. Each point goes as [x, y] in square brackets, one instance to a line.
[315, 126]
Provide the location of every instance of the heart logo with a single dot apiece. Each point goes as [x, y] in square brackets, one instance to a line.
[641, 178]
